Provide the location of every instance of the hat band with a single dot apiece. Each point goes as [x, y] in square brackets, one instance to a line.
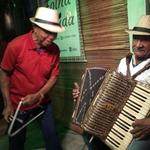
[46, 22]
[141, 29]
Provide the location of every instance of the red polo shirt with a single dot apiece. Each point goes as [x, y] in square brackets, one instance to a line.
[30, 68]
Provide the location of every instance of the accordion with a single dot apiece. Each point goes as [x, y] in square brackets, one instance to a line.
[116, 104]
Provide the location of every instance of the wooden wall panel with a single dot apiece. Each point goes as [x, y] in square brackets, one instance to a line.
[103, 24]
[62, 93]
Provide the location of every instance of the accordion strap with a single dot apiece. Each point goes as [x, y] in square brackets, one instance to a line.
[146, 67]
[128, 59]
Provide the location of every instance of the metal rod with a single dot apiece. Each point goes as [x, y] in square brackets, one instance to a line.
[23, 126]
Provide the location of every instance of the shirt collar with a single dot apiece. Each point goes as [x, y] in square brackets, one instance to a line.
[32, 43]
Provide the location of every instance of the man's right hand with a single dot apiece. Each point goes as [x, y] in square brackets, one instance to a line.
[7, 112]
[76, 91]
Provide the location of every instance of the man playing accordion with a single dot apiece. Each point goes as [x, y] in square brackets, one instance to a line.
[137, 67]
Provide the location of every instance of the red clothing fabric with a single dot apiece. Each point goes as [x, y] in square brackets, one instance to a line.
[30, 68]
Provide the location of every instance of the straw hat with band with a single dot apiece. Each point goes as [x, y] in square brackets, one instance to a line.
[142, 28]
[47, 19]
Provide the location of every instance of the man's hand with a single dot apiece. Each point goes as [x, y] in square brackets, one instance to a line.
[76, 91]
[141, 128]
[7, 112]
[32, 99]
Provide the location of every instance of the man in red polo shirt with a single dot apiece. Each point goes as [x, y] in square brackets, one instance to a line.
[29, 69]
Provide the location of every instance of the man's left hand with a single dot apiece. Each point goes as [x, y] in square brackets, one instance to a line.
[32, 99]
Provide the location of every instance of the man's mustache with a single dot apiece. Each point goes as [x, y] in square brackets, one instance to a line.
[139, 49]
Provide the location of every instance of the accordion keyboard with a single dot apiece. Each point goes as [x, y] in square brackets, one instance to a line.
[136, 107]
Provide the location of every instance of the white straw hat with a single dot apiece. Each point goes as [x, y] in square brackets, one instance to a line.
[47, 19]
[142, 28]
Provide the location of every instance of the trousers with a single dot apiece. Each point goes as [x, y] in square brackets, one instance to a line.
[47, 125]
[136, 144]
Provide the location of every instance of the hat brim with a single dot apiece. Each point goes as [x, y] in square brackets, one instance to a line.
[48, 27]
[136, 32]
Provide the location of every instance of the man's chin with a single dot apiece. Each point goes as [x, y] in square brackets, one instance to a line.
[141, 58]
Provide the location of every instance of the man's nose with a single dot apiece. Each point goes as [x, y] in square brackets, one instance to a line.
[50, 38]
[139, 43]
